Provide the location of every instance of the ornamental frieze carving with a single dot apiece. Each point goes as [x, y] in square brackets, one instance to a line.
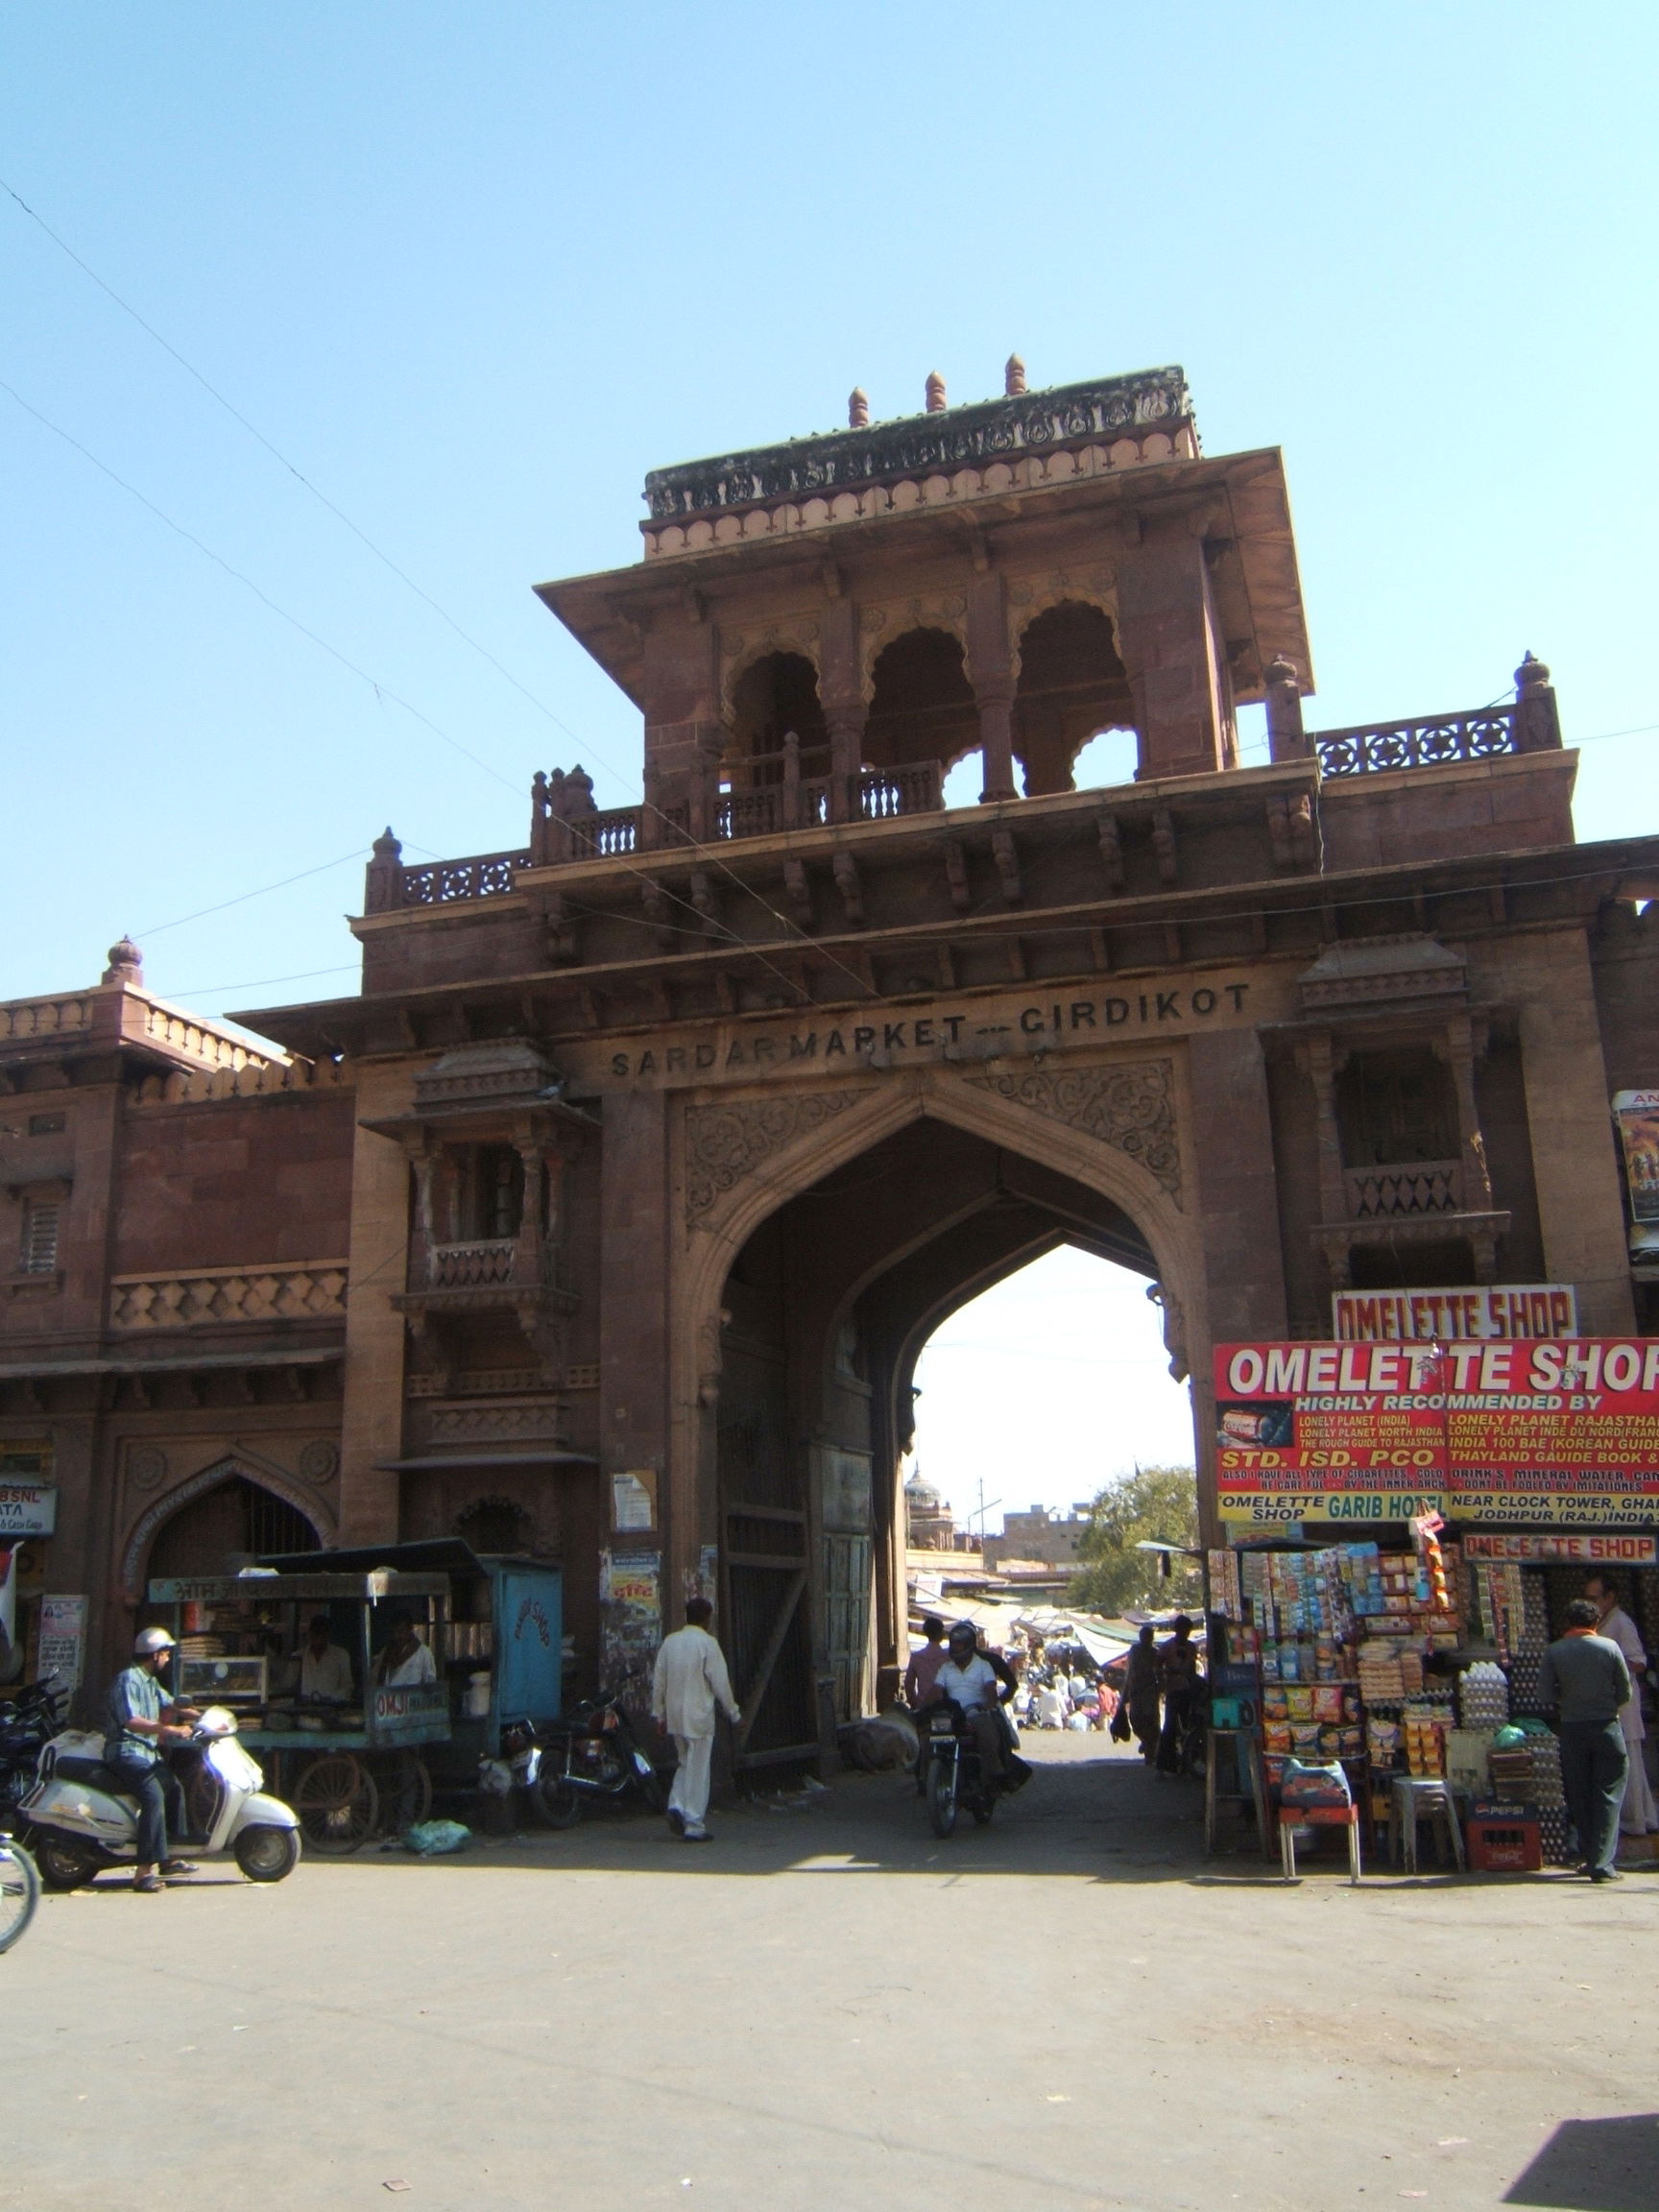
[1132, 1109]
[724, 1144]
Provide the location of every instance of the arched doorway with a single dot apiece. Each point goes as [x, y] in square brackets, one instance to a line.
[226, 1527]
[922, 707]
[823, 1309]
[1072, 685]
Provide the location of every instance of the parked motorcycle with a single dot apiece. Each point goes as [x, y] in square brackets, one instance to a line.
[79, 1824]
[954, 1772]
[595, 1754]
[20, 1890]
[28, 1723]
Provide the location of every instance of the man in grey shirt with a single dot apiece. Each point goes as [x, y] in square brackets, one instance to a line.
[1586, 1680]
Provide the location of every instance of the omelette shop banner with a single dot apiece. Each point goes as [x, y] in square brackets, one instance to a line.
[1548, 1431]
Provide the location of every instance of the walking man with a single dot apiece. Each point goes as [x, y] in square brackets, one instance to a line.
[1586, 1678]
[1639, 1816]
[687, 1687]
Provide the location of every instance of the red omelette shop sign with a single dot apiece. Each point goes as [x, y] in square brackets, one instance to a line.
[1551, 1430]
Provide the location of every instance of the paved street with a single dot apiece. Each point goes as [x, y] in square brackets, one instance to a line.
[828, 2009]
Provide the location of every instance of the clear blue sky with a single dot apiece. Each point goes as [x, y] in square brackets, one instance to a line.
[473, 269]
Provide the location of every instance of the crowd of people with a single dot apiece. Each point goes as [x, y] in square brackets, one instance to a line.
[1149, 1694]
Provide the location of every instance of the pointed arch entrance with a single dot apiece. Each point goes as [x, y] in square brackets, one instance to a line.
[217, 1521]
[821, 1280]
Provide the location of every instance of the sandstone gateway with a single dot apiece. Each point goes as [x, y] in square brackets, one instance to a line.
[608, 1222]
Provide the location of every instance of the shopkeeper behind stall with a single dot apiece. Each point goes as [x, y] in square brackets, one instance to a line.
[324, 1666]
[405, 1659]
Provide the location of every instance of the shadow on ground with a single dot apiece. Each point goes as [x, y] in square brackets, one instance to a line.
[1595, 2166]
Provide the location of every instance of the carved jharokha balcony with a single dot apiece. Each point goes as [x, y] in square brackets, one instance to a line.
[473, 1265]
[1404, 1192]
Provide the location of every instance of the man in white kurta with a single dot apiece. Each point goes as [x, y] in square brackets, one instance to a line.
[690, 1684]
[1638, 1815]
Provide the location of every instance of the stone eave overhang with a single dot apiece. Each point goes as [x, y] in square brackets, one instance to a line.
[1257, 582]
[564, 1001]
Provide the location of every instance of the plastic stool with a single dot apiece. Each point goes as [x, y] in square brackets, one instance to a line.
[1418, 1797]
[1294, 1816]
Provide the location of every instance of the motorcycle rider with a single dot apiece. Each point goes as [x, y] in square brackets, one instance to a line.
[132, 1751]
[967, 1679]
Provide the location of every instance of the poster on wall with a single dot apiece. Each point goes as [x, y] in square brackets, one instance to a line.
[1547, 1431]
[62, 1647]
[1445, 1316]
[1636, 1116]
[631, 1622]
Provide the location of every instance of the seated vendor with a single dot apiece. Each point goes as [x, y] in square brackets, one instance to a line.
[324, 1666]
[405, 1659]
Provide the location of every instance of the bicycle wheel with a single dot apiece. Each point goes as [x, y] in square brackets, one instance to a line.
[19, 1892]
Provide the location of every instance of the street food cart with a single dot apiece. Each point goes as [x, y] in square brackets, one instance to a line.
[368, 1765]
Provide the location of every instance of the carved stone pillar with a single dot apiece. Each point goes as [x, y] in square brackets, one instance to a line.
[1459, 1050]
[841, 694]
[1287, 740]
[1537, 718]
[991, 672]
[1168, 637]
[1322, 1063]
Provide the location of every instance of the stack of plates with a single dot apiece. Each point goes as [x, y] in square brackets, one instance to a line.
[202, 1646]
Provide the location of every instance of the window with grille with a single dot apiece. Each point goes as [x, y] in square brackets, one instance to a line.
[39, 1253]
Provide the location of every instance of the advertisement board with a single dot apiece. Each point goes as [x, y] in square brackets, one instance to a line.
[27, 1509]
[1553, 1432]
[1448, 1316]
[1563, 1547]
[1636, 1116]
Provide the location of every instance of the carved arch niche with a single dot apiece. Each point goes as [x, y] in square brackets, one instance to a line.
[921, 704]
[772, 698]
[1071, 680]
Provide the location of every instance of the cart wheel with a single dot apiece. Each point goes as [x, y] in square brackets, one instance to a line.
[338, 1804]
[405, 1792]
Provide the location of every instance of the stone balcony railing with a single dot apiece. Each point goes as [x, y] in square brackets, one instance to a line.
[473, 1265]
[55, 1016]
[196, 1297]
[1427, 743]
[1408, 1190]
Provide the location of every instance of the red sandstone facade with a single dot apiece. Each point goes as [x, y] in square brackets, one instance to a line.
[656, 1147]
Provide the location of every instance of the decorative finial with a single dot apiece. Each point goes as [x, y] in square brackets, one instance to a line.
[1014, 376]
[387, 847]
[126, 962]
[1283, 671]
[936, 400]
[1532, 675]
[858, 408]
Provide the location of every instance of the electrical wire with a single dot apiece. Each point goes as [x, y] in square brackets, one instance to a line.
[380, 690]
[627, 782]
[201, 913]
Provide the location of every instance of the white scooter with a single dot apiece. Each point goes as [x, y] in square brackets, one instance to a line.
[78, 1823]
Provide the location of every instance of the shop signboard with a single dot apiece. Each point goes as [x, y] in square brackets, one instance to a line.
[409, 1713]
[27, 1509]
[1636, 1113]
[1555, 1431]
[1562, 1547]
[1506, 1309]
[1328, 1433]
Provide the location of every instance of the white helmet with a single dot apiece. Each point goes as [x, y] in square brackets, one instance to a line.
[151, 1640]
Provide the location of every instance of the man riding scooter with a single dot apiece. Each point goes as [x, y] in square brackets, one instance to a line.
[132, 1749]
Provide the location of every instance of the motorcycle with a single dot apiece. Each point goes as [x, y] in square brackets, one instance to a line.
[20, 1890]
[955, 1774]
[28, 1723]
[595, 1754]
[79, 1823]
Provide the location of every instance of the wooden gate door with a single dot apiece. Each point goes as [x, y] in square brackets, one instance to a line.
[846, 1619]
[764, 1559]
